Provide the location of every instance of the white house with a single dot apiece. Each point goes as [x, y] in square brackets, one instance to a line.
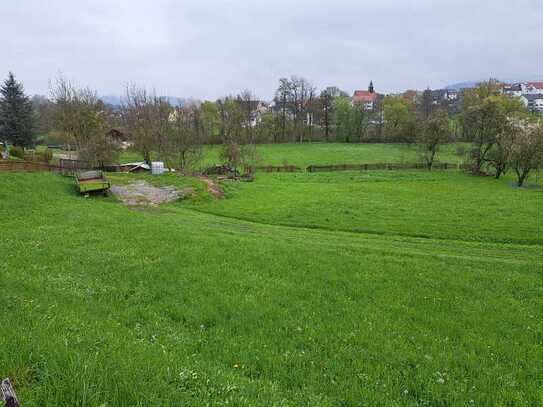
[451, 95]
[533, 102]
[514, 90]
[532, 88]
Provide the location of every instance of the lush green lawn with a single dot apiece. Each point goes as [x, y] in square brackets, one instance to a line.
[438, 204]
[342, 153]
[303, 155]
[106, 305]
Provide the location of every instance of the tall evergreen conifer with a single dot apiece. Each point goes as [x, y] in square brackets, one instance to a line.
[16, 114]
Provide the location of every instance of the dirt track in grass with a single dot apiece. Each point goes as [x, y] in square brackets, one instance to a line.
[212, 187]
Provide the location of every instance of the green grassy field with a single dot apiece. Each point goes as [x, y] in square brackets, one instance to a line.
[438, 204]
[375, 288]
[303, 155]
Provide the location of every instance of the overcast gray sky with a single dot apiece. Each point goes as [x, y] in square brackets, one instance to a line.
[206, 49]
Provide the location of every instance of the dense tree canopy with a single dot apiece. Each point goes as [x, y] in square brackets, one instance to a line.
[399, 119]
[433, 132]
[488, 119]
[485, 114]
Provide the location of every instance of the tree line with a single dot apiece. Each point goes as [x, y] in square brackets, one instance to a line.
[504, 136]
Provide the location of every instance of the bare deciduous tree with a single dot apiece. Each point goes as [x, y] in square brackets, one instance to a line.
[282, 98]
[248, 105]
[237, 148]
[161, 112]
[184, 145]
[326, 100]
[137, 115]
[79, 120]
[303, 94]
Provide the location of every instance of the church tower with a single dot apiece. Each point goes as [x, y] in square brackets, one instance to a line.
[370, 88]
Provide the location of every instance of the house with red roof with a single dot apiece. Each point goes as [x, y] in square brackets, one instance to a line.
[532, 88]
[367, 98]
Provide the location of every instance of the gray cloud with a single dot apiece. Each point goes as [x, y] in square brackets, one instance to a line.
[211, 48]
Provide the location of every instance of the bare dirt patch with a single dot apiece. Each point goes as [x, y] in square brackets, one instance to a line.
[212, 187]
[142, 193]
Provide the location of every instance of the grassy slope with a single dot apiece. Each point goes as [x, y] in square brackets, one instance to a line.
[328, 153]
[445, 205]
[165, 306]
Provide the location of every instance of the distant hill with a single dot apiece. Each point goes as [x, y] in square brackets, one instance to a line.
[173, 100]
[462, 85]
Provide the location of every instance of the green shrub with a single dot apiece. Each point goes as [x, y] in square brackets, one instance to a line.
[46, 156]
[18, 152]
[461, 151]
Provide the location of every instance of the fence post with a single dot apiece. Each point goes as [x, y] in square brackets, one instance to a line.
[8, 394]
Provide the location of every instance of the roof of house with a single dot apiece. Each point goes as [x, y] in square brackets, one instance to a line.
[515, 87]
[252, 104]
[364, 96]
[531, 98]
[439, 93]
[537, 85]
[410, 94]
[118, 133]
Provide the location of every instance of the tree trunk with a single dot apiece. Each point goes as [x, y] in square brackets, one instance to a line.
[147, 157]
[326, 125]
[478, 163]
[430, 160]
[521, 176]
[500, 170]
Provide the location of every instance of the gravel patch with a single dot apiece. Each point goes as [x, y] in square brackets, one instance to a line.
[142, 193]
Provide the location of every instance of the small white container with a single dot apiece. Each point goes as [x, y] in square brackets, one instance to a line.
[157, 167]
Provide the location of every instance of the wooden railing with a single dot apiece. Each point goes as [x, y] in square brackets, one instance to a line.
[385, 166]
[75, 165]
[12, 165]
[277, 168]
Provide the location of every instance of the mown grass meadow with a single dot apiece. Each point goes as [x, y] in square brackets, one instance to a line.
[377, 288]
[437, 204]
[306, 154]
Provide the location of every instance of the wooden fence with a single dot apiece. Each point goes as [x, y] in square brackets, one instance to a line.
[73, 166]
[360, 167]
[276, 168]
[384, 166]
[24, 166]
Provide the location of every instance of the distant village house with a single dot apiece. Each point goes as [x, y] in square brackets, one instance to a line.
[534, 103]
[530, 93]
[367, 98]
